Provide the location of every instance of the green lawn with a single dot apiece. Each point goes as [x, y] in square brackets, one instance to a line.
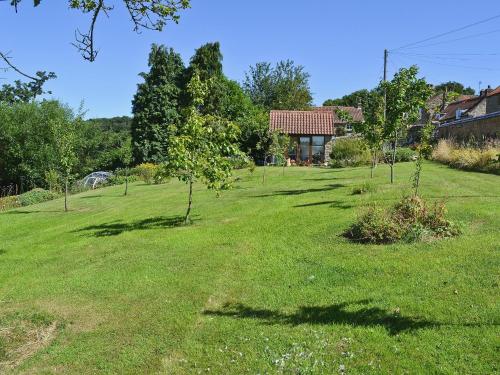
[262, 282]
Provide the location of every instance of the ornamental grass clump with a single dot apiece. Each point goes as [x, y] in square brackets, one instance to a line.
[410, 220]
[483, 159]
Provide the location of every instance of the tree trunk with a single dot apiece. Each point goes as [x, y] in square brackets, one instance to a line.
[66, 195]
[187, 219]
[393, 158]
[126, 181]
[374, 162]
[264, 174]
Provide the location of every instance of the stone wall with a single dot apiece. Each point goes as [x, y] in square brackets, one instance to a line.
[328, 147]
[480, 128]
[479, 110]
[493, 104]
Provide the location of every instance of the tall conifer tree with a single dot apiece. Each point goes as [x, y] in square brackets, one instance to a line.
[156, 105]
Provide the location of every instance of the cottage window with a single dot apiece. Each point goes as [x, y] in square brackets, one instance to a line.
[318, 149]
[311, 149]
[305, 143]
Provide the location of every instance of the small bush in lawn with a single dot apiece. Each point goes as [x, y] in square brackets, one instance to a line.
[409, 220]
[349, 152]
[365, 187]
[409, 210]
[36, 196]
[436, 221]
[375, 226]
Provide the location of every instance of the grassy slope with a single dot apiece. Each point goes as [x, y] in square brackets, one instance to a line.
[262, 282]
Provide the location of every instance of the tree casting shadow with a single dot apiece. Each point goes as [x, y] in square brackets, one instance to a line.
[118, 227]
[302, 191]
[340, 313]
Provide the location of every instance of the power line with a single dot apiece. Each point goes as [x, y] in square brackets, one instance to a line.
[461, 54]
[433, 57]
[448, 32]
[451, 65]
[457, 39]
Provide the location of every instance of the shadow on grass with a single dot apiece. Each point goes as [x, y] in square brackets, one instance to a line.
[118, 227]
[342, 313]
[302, 191]
[326, 179]
[3, 251]
[333, 204]
[26, 212]
[92, 196]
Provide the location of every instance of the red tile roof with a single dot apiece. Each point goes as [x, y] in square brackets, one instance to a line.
[356, 113]
[494, 92]
[318, 120]
[464, 104]
[302, 122]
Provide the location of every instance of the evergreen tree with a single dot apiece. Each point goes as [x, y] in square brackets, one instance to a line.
[206, 62]
[156, 105]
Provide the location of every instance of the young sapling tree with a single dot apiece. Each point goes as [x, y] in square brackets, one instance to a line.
[202, 147]
[405, 96]
[372, 127]
[126, 159]
[65, 140]
[280, 143]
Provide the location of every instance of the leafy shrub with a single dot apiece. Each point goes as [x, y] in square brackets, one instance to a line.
[375, 226]
[36, 196]
[241, 162]
[365, 187]
[119, 179]
[403, 154]
[6, 203]
[161, 175]
[409, 210]
[348, 152]
[485, 159]
[410, 220]
[53, 180]
[436, 221]
[150, 173]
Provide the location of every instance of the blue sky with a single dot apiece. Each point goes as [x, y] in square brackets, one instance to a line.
[340, 43]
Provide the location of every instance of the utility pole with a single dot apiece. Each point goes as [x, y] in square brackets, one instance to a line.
[386, 53]
[393, 156]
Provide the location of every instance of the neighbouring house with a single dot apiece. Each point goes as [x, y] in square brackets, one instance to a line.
[313, 131]
[434, 109]
[434, 105]
[477, 117]
[493, 101]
